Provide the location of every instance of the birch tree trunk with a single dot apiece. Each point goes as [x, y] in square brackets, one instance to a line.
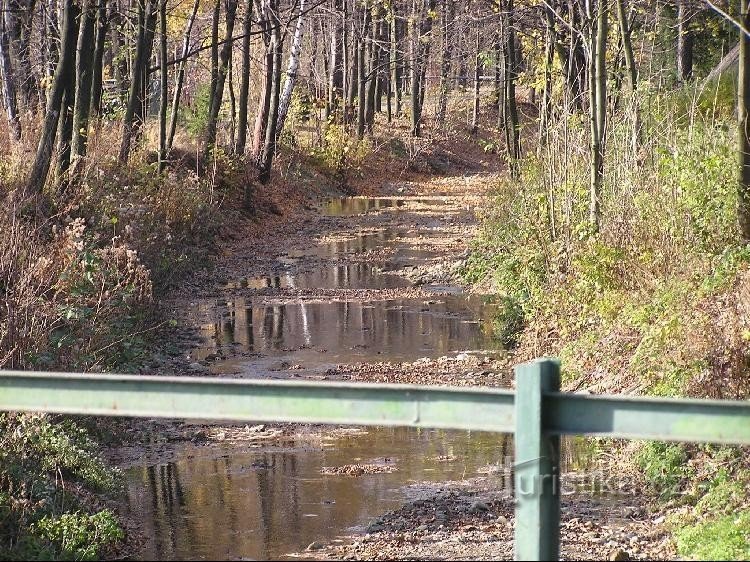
[8, 80]
[291, 70]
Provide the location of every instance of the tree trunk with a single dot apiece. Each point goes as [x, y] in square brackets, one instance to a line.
[512, 128]
[8, 80]
[269, 148]
[549, 57]
[291, 72]
[598, 108]
[335, 65]
[83, 80]
[447, 14]
[684, 43]
[214, 53]
[477, 78]
[102, 26]
[18, 20]
[420, 55]
[139, 75]
[181, 77]
[163, 85]
[239, 145]
[264, 97]
[743, 95]
[230, 7]
[395, 61]
[63, 73]
[362, 42]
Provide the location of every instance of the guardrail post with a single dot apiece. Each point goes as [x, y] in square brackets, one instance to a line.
[537, 532]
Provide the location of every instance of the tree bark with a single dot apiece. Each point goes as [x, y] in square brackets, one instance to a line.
[181, 77]
[477, 78]
[63, 72]
[549, 58]
[102, 27]
[139, 75]
[684, 43]
[8, 79]
[598, 108]
[83, 80]
[743, 95]
[163, 85]
[230, 8]
[269, 147]
[446, 55]
[239, 145]
[264, 97]
[291, 72]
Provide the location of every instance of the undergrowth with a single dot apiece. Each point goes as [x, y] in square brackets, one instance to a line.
[658, 302]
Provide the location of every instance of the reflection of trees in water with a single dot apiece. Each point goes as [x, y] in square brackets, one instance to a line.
[402, 329]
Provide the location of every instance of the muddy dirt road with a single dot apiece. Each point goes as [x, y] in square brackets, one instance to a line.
[362, 288]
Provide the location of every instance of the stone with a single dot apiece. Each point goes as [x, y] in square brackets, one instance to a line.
[478, 507]
[619, 555]
[315, 545]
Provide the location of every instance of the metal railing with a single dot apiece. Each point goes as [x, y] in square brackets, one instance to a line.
[537, 413]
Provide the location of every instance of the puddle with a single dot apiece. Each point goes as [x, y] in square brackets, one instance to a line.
[215, 503]
[349, 206]
[318, 335]
[226, 502]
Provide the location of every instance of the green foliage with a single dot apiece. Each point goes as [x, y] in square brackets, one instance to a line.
[48, 470]
[508, 322]
[341, 153]
[196, 116]
[664, 467]
[722, 538]
[78, 536]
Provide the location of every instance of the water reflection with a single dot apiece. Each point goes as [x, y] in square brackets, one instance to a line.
[345, 206]
[215, 503]
[326, 333]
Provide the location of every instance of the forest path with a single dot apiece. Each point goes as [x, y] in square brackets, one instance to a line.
[360, 288]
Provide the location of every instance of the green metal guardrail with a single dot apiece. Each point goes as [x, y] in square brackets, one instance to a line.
[537, 413]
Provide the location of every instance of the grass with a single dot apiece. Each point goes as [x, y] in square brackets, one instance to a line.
[655, 303]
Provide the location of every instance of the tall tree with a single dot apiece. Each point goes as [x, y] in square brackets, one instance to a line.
[133, 120]
[277, 49]
[239, 145]
[598, 24]
[684, 42]
[291, 70]
[163, 85]
[63, 72]
[743, 122]
[230, 9]
[446, 53]
[102, 27]
[7, 78]
[420, 41]
[181, 76]
[83, 79]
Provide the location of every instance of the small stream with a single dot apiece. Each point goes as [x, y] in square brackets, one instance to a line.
[224, 502]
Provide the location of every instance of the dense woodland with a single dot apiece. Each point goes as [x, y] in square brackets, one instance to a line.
[134, 130]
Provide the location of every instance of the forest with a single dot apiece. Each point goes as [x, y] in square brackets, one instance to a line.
[398, 191]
